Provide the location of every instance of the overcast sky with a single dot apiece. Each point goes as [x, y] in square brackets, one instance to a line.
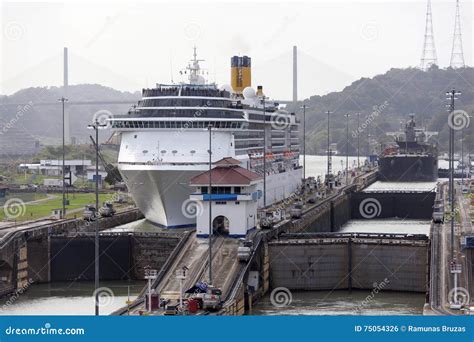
[129, 45]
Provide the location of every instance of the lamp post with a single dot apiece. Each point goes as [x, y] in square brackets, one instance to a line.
[451, 97]
[150, 274]
[304, 141]
[63, 100]
[210, 203]
[264, 152]
[358, 140]
[96, 126]
[347, 147]
[462, 159]
[329, 150]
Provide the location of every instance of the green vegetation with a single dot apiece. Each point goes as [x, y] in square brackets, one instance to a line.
[386, 100]
[19, 178]
[25, 197]
[43, 121]
[42, 209]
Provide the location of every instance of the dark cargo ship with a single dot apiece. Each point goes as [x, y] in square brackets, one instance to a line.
[412, 159]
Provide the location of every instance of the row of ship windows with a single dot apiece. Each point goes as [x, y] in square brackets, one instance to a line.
[177, 124]
[258, 135]
[205, 113]
[199, 124]
[242, 152]
[184, 91]
[241, 145]
[188, 113]
[185, 102]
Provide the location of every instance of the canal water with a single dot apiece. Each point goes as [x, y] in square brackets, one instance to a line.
[343, 303]
[391, 226]
[76, 298]
[70, 298]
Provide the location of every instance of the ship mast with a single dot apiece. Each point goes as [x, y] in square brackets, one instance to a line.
[194, 69]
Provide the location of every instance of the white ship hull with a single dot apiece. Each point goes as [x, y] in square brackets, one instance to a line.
[162, 195]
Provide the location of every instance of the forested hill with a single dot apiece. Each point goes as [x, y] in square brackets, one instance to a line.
[38, 112]
[384, 101]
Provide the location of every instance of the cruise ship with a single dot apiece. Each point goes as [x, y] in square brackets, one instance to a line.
[165, 140]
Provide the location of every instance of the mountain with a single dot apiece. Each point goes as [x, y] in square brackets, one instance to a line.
[37, 112]
[384, 101]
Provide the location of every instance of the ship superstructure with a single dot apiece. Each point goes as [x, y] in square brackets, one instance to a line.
[165, 140]
[412, 159]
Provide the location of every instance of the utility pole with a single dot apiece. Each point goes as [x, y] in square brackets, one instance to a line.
[462, 158]
[451, 97]
[304, 141]
[96, 126]
[264, 152]
[428, 56]
[63, 100]
[457, 54]
[358, 140]
[347, 147]
[210, 204]
[329, 150]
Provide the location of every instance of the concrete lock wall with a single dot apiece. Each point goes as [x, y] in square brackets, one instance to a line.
[121, 256]
[73, 258]
[38, 259]
[327, 217]
[388, 205]
[149, 251]
[309, 267]
[342, 265]
[405, 267]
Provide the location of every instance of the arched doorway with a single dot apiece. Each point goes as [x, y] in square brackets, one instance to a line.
[220, 225]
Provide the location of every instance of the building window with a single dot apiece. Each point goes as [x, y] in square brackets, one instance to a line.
[221, 203]
[237, 189]
[204, 189]
[237, 202]
[221, 189]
